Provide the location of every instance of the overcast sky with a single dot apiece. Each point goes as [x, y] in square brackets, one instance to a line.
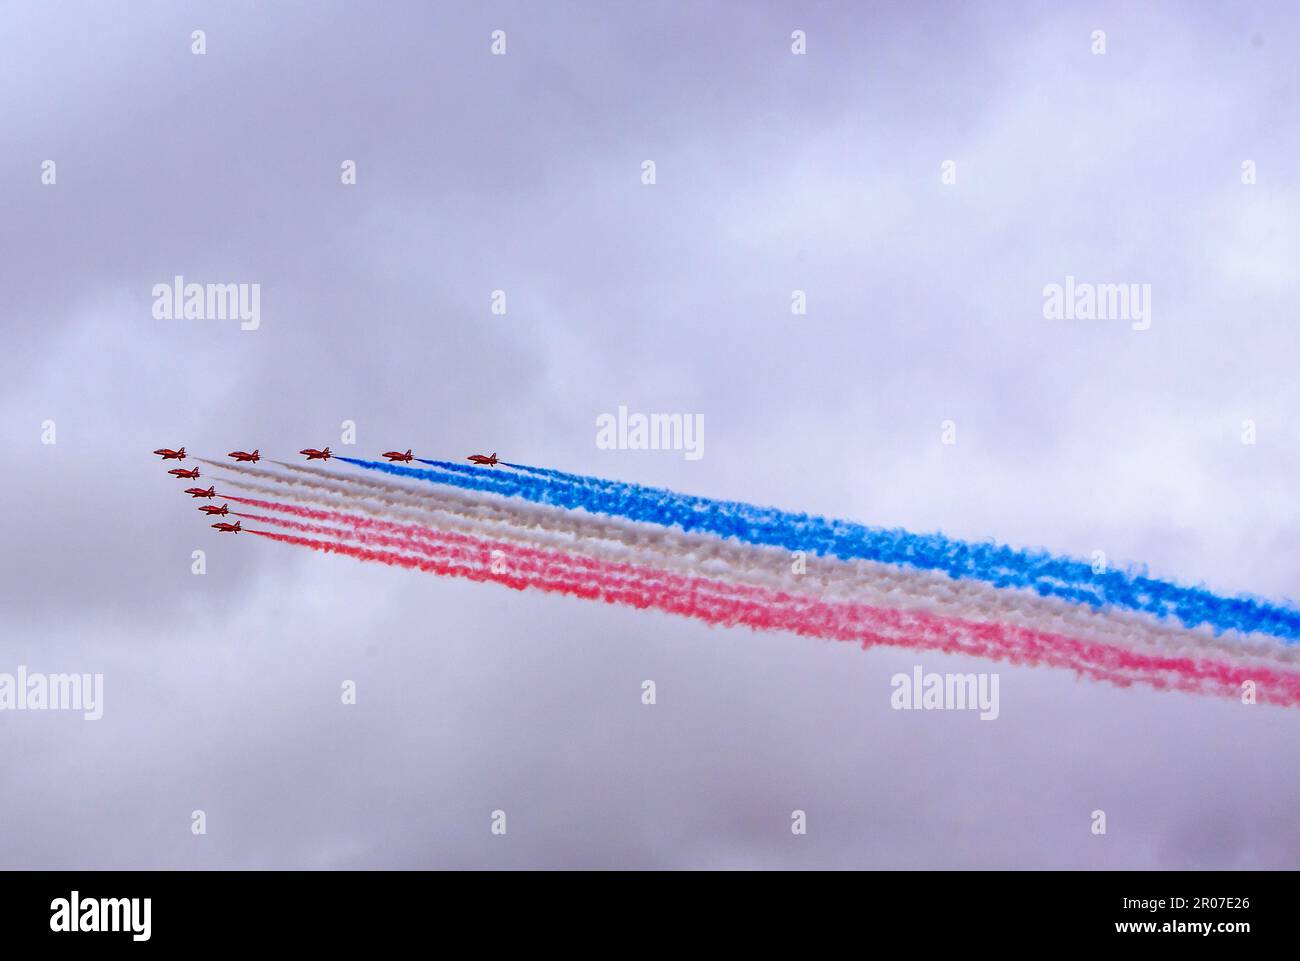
[775, 172]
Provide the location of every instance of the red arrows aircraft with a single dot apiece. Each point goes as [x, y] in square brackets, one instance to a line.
[314, 454]
[200, 492]
[192, 473]
[211, 509]
[480, 459]
[224, 528]
[394, 456]
[168, 454]
[243, 458]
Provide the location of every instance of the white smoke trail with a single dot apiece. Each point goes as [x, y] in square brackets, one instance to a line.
[866, 582]
[903, 590]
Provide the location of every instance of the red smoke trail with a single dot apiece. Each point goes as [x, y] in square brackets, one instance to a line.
[338, 517]
[468, 553]
[572, 573]
[979, 638]
[865, 582]
[719, 602]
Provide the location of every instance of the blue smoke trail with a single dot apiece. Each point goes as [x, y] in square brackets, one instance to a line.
[996, 564]
[547, 472]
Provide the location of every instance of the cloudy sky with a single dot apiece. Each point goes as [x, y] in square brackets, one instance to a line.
[522, 172]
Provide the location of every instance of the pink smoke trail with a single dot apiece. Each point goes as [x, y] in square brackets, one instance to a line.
[866, 582]
[717, 602]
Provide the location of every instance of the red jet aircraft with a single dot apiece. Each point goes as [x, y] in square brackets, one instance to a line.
[243, 458]
[200, 492]
[211, 509]
[168, 454]
[224, 528]
[394, 456]
[314, 454]
[191, 473]
[481, 459]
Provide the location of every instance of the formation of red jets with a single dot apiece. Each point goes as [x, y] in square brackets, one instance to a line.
[192, 473]
[243, 457]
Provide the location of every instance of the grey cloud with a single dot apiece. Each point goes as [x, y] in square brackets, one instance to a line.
[521, 173]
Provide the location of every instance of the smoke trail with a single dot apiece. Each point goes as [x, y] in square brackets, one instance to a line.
[347, 485]
[550, 562]
[863, 580]
[998, 565]
[397, 542]
[540, 471]
[454, 467]
[720, 603]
